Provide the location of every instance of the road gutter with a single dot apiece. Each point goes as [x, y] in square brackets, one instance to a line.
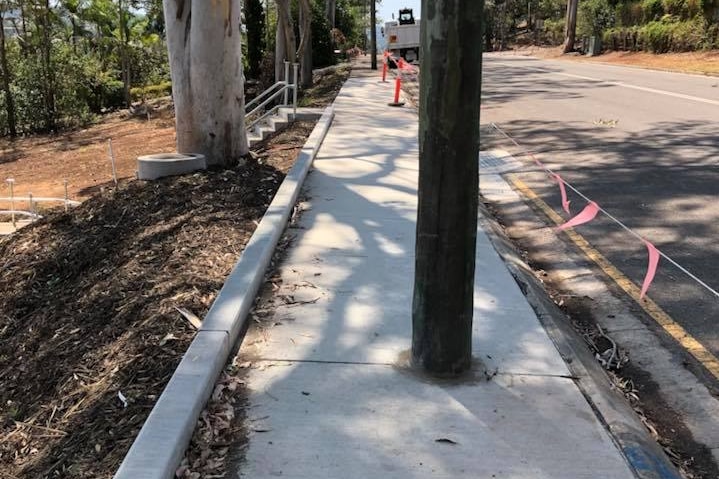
[643, 454]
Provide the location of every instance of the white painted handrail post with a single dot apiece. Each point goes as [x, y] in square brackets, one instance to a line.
[295, 85]
[11, 182]
[67, 197]
[112, 160]
[287, 81]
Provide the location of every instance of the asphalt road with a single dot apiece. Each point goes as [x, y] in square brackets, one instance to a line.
[644, 145]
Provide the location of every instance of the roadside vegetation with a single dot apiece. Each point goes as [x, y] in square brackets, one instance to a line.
[656, 26]
[95, 301]
[64, 64]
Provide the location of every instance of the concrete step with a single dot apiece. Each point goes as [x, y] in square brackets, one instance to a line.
[265, 130]
[253, 139]
[304, 113]
[279, 121]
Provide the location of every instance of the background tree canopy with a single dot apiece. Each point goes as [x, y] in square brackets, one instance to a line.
[62, 62]
[652, 25]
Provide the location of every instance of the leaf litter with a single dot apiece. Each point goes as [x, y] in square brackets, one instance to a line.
[89, 330]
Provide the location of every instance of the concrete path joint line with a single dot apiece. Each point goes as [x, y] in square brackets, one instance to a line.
[531, 420]
[158, 449]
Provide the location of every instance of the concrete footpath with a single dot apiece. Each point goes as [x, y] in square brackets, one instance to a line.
[329, 397]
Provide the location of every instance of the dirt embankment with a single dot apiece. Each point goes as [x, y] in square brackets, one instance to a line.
[89, 333]
[704, 63]
[40, 164]
[89, 330]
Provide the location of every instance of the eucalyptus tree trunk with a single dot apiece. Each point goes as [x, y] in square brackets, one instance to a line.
[5, 79]
[203, 39]
[450, 86]
[330, 9]
[304, 52]
[124, 53]
[284, 40]
[45, 25]
[570, 29]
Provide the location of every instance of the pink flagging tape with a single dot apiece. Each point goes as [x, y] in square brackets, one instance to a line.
[565, 203]
[651, 267]
[536, 160]
[588, 214]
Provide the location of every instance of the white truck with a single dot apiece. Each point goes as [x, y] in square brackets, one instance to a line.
[403, 36]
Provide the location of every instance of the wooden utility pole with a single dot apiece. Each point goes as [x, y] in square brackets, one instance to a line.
[373, 33]
[570, 29]
[450, 83]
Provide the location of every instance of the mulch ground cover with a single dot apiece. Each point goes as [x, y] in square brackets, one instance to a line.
[89, 330]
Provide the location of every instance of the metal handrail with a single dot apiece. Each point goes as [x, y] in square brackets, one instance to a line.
[271, 94]
[35, 199]
[20, 212]
[266, 102]
[264, 93]
[264, 115]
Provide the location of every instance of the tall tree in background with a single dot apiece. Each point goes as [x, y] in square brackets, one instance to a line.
[570, 30]
[330, 11]
[68, 60]
[255, 22]
[5, 74]
[43, 20]
[450, 86]
[203, 39]
[284, 39]
[304, 51]
[373, 33]
[123, 29]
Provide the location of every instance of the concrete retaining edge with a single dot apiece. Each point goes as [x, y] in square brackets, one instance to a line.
[163, 439]
[644, 456]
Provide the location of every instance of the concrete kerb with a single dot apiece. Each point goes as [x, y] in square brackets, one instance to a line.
[645, 457]
[158, 449]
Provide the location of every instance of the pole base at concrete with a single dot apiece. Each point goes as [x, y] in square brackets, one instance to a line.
[401, 103]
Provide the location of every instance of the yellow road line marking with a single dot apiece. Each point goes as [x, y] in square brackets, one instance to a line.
[674, 329]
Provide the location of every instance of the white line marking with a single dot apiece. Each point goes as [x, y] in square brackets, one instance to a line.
[621, 84]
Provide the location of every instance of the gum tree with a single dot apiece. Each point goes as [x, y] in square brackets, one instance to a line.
[203, 40]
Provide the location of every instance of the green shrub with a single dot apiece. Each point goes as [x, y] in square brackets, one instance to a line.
[673, 35]
[694, 8]
[712, 36]
[652, 9]
[656, 36]
[151, 91]
[684, 9]
[548, 8]
[4, 128]
[554, 31]
[689, 35]
[621, 38]
[674, 7]
[322, 50]
[255, 44]
[628, 14]
[593, 17]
